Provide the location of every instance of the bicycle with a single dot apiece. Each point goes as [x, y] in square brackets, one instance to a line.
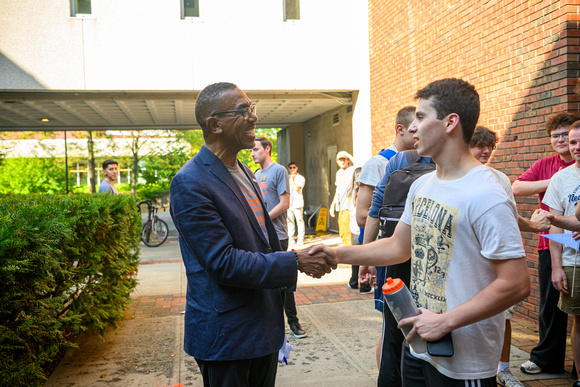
[155, 230]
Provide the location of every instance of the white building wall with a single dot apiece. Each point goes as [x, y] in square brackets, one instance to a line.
[144, 45]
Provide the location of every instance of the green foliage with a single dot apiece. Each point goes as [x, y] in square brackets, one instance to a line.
[32, 175]
[193, 137]
[67, 263]
[46, 175]
[160, 170]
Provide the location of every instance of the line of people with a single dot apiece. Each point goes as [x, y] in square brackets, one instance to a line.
[459, 232]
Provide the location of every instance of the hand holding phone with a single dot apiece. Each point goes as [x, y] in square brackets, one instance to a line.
[442, 347]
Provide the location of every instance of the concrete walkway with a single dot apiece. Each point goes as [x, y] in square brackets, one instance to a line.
[342, 325]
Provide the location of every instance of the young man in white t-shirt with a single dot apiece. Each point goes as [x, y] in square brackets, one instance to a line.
[461, 230]
[562, 197]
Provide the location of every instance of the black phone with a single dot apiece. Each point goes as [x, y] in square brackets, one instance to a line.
[442, 347]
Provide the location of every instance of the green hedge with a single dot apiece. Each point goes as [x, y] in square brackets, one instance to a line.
[67, 263]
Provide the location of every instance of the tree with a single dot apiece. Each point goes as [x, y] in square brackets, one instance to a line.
[245, 156]
[91, 162]
[138, 142]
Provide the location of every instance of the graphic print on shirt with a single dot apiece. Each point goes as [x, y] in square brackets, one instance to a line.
[433, 233]
[574, 197]
[263, 185]
[254, 203]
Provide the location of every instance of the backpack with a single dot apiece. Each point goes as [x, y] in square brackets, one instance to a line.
[396, 190]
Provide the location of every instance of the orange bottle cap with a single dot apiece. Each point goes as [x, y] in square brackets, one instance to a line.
[392, 285]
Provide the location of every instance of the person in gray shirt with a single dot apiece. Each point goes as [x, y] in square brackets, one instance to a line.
[274, 184]
[111, 172]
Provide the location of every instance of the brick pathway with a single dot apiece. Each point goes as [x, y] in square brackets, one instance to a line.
[524, 333]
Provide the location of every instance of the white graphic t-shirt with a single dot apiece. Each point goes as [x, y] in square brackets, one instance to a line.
[456, 227]
[563, 194]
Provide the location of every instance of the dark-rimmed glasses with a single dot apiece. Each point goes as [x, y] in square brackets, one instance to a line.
[557, 136]
[245, 112]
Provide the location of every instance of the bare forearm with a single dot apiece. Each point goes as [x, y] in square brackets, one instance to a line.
[526, 224]
[379, 253]
[384, 252]
[493, 299]
[529, 188]
[566, 222]
[371, 229]
[555, 254]
[511, 285]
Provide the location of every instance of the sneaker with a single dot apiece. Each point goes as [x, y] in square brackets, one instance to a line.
[529, 367]
[352, 287]
[507, 379]
[299, 333]
[366, 289]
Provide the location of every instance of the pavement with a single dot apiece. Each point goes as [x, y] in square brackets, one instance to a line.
[342, 325]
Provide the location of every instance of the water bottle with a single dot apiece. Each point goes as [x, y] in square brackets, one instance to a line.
[400, 302]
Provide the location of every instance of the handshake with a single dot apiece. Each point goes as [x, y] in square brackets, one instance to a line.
[316, 261]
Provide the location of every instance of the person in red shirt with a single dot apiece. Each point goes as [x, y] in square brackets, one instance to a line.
[548, 355]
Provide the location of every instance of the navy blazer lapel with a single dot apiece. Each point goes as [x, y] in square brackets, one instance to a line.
[219, 170]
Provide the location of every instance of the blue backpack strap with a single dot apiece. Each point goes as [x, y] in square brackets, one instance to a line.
[387, 153]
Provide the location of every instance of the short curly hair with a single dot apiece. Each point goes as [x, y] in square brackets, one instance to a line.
[560, 119]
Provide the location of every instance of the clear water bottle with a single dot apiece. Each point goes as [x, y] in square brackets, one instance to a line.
[401, 303]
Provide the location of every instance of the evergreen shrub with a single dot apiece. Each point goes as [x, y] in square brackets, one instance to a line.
[67, 264]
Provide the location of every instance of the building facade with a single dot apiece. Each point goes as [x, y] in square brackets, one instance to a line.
[111, 65]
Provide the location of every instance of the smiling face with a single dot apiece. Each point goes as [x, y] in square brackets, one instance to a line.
[239, 133]
[559, 140]
[428, 131]
[574, 147]
[481, 153]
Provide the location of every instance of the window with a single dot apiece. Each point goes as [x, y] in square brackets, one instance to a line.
[80, 7]
[291, 10]
[189, 8]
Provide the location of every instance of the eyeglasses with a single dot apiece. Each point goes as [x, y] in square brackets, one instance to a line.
[291, 167]
[245, 112]
[557, 136]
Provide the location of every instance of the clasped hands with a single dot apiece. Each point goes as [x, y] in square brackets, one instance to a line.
[316, 262]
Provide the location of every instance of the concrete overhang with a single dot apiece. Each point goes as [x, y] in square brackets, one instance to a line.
[23, 110]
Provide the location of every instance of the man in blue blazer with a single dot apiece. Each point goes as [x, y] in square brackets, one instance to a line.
[234, 316]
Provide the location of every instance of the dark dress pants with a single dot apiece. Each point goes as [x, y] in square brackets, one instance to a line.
[550, 352]
[257, 372]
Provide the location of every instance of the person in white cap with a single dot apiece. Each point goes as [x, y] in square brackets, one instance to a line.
[340, 201]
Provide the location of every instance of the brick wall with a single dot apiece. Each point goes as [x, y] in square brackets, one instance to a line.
[522, 56]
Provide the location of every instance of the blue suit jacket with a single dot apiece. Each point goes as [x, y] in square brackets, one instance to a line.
[232, 310]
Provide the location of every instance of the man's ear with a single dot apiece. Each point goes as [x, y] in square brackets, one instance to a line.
[452, 123]
[400, 129]
[213, 124]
